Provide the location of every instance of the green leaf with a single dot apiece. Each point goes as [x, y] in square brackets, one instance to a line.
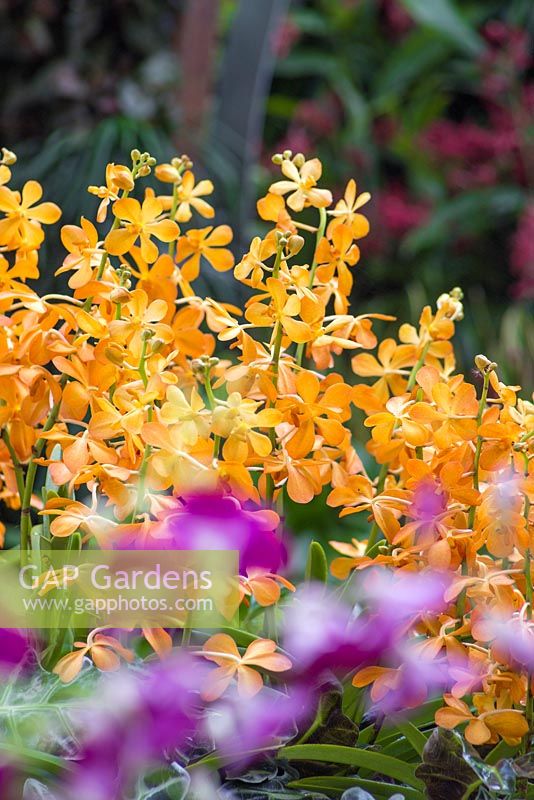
[37, 715]
[501, 750]
[331, 726]
[35, 760]
[444, 770]
[163, 784]
[316, 564]
[337, 785]
[417, 739]
[354, 757]
[471, 212]
[412, 58]
[442, 17]
[308, 62]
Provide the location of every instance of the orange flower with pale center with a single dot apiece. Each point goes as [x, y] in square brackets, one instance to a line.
[209, 243]
[23, 217]
[141, 222]
[222, 649]
[105, 651]
[302, 185]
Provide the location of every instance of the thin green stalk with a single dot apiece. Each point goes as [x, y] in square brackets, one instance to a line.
[417, 366]
[116, 222]
[25, 511]
[142, 359]
[212, 403]
[320, 233]
[172, 245]
[17, 466]
[143, 469]
[89, 301]
[478, 448]
[472, 510]
[471, 789]
[275, 362]
[382, 475]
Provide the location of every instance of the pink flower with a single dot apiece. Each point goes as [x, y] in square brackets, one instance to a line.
[522, 255]
[14, 649]
[242, 730]
[286, 36]
[216, 522]
[399, 213]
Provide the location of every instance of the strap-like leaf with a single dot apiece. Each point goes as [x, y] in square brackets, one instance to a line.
[354, 757]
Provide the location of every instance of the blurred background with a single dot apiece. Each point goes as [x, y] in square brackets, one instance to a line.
[427, 103]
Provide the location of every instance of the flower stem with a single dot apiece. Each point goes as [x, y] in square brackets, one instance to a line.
[17, 466]
[320, 233]
[382, 475]
[478, 448]
[25, 511]
[172, 245]
[275, 362]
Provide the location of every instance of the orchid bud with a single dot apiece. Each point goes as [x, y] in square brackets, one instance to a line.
[120, 295]
[157, 345]
[8, 157]
[295, 243]
[168, 173]
[122, 177]
[483, 364]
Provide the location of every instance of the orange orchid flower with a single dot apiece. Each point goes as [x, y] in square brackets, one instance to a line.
[264, 587]
[346, 212]
[510, 724]
[302, 185]
[392, 367]
[222, 649]
[140, 222]
[22, 223]
[118, 177]
[209, 243]
[105, 652]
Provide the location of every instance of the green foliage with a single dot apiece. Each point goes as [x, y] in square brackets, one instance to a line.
[316, 564]
[426, 102]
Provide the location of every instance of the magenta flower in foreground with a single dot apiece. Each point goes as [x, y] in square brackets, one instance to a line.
[320, 632]
[324, 631]
[240, 730]
[14, 649]
[216, 522]
[139, 719]
[403, 595]
[513, 639]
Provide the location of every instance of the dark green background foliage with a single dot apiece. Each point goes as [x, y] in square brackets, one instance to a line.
[428, 104]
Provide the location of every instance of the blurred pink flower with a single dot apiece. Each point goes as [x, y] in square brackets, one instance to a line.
[522, 255]
[399, 213]
[215, 522]
[242, 730]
